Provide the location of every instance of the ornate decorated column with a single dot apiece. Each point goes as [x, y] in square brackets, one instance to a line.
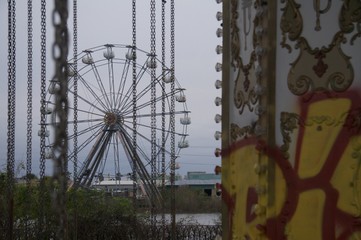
[291, 118]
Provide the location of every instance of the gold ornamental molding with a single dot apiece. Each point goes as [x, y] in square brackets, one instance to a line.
[291, 22]
[289, 122]
[320, 69]
[324, 68]
[238, 133]
[319, 11]
[350, 17]
[244, 94]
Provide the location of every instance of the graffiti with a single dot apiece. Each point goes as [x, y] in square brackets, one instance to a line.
[316, 190]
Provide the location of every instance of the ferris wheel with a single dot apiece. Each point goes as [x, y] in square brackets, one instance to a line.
[106, 111]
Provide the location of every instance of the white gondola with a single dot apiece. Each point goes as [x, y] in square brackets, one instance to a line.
[53, 88]
[49, 154]
[87, 60]
[180, 98]
[185, 120]
[43, 133]
[183, 144]
[47, 110]
[152, 63]
[167, 79]
[108, 54]
[71, 71]
[130, 56]
[177, 165]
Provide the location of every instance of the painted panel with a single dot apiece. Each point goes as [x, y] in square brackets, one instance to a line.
[291, 160]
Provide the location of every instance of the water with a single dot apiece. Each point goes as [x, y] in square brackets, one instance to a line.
[194, 218]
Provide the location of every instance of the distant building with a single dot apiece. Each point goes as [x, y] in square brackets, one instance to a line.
[201, 180]
[122, 187]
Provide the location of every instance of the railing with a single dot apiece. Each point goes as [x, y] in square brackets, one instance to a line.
[119, 231]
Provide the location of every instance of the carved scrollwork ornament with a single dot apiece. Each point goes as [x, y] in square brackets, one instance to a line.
[235, 40]
[244, 94]
[320, 69]
[291, 121]
[350, 16]
[291, 22]
[240, 132]
[319, 11]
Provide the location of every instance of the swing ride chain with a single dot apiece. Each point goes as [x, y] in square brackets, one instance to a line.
[75, 126]
[75, 79]
[163, 116]
[11, 115]
[42, 118]
[172, 118]
[153, 105]
[60, 115]
[29, 113]
[134, 76]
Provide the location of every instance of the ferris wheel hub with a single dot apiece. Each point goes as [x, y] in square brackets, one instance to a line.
[113, 118]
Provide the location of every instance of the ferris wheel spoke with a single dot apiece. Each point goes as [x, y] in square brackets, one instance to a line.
[79, 110]
[102, 161]
[139, 149]
[100, 84]
[93, 159]
[128, 105]
[85, 143]
[86, 130]
[116, 154]
[158, 129]
[88, 88]
[128, 108]
[92, 93]
[86, 101]
[157, 114]
[150, 188]
[127, 97]
[78, 121]
[147, 139]
[149, 87]
[111, 83]
[122, 82]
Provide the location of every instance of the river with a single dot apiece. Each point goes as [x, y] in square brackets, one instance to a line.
[194, 218]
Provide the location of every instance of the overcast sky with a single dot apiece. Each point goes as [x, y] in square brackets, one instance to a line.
[109, 21]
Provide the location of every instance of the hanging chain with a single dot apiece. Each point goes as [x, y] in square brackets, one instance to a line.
[172, 117]
[153, 105]
[11, 115]
[60, 115]
[75, 79]
[134, 85]
[41, 226]
[75, 126]
[163, 117]
[29, 113]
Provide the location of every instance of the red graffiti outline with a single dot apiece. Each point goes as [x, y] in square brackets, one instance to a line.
[275, 227]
